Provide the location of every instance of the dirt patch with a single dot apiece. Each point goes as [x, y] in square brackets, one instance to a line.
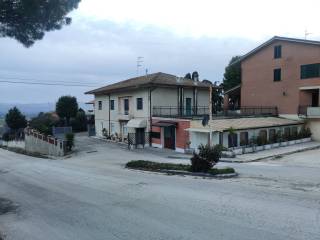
[7, 206]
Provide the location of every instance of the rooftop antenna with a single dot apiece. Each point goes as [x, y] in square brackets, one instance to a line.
[139, 64]
[306, 33]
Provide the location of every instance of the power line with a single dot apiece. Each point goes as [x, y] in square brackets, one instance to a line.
[45, 84]
[56, 81]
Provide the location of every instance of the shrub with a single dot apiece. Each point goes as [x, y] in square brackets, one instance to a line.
[6, 137]
[206, 158]
[70, 141]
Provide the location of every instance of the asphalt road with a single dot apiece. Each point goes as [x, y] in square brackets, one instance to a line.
[91, 196]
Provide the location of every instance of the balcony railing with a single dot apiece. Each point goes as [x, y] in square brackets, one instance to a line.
[197, 112]
[309, 111]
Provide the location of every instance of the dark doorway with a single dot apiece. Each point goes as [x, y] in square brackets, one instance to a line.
[140, 136]
[315, 99]
[169, 137]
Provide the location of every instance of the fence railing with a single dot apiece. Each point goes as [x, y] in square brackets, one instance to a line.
[178, 112]
[309, 111]
[138, 139]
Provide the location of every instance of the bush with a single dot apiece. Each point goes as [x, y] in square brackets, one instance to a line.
[70, 141]
[206, 158]
[155, 166]
[6, 137]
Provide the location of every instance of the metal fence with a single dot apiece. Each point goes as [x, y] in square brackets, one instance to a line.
[178, 112]
[137, 139]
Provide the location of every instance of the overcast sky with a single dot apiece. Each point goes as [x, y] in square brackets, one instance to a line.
[106, 37]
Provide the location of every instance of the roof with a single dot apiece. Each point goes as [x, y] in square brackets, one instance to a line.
[277, 38]
[155, 79]
[236, 88]
[220, 125]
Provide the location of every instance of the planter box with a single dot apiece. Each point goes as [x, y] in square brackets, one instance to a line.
[260, 148]
[303, 140]
[284, 144]
[298, 141]
[267, 147]
[292, 142]
[237, 151]
[275, 145]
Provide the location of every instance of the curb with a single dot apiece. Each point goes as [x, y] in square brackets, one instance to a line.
[272, 156]
[184, 173]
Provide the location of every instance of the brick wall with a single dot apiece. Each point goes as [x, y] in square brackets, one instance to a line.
[258, 87]
[182, 136]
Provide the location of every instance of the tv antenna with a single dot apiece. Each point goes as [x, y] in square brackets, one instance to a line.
[306, 34]
[139, 64]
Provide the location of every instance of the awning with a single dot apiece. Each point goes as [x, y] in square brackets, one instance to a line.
[164, 124]
[137, 123]
[202, 130]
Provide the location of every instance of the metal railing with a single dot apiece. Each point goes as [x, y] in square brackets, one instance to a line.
[178, 112]
[309, 111]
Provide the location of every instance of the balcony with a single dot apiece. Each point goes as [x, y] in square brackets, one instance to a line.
[199, 112]
[309, 112]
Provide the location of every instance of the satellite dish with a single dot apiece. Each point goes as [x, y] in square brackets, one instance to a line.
[205, 120]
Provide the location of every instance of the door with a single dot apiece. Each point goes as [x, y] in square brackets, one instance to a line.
[169, 137]
[140, 136]
[315, 99]
[188, 106]
[126, 106]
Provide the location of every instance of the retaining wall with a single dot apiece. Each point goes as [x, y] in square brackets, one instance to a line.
[38, 143]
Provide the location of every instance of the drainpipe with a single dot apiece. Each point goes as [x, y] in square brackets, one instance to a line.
[109, 115]
[150, 112]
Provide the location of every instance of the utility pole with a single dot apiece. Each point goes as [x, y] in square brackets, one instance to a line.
[210, 114]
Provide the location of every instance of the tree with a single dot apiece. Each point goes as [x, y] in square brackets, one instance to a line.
[217, 99]
[195, 76]
[232, 75]
[15, 119]
[188, 76]
[44, 123]
[79, 123]
[207, 157]
[66, 108]
[28, 20]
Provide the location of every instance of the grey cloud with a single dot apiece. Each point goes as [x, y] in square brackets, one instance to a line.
[102, 52]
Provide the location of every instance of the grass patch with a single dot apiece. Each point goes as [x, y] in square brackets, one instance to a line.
[155, 166]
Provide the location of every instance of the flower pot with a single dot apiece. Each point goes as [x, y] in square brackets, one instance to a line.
[268, 146]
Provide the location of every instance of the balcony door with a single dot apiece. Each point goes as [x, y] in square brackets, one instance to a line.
[188, 106]
[315, 99]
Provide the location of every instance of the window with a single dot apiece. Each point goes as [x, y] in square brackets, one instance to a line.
[294, 132]
[277, 75]
[244, 139]
[111, 104]
[139, 103]
[112, 130]
[233, 140]
[262, 137]
[126, 106]
[156, 135]
[272, 136]
[277, 51]
[310, 71]
[100, 105]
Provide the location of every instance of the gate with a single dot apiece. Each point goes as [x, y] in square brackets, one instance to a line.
[139, 139]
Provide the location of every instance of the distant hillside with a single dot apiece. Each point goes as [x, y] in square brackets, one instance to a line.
[32, 109]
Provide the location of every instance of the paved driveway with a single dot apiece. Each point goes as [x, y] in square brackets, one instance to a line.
[91, 196]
